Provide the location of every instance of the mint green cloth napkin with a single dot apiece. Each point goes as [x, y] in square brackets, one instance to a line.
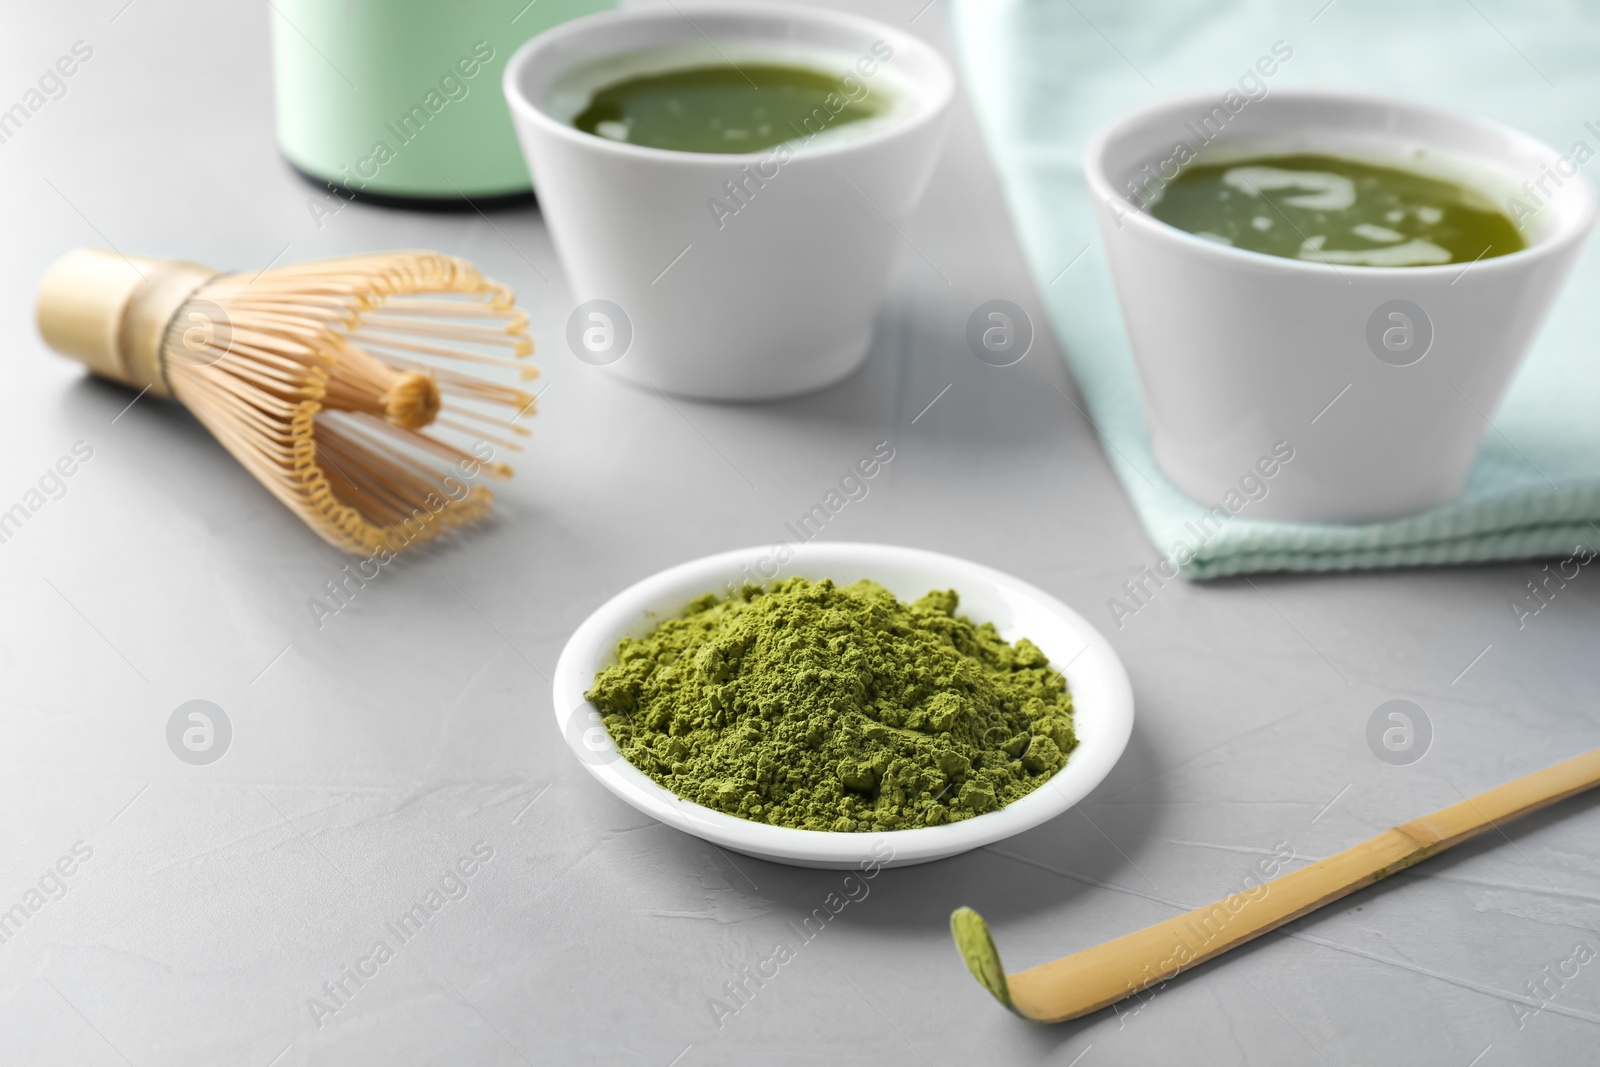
[1044, 75]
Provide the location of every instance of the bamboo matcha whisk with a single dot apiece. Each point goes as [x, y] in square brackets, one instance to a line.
[320, 378]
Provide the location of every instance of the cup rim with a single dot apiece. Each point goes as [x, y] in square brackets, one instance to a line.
[1572, 230]
[934, 104]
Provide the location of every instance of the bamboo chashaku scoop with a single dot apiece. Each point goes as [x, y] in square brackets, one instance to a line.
[320, 378]
[1099, 977]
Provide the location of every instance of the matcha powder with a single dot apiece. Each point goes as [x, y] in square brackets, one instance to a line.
[827, 707]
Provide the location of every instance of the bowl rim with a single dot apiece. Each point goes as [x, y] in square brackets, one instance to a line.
[935, 103]
[1088, 765]
[1104, 192]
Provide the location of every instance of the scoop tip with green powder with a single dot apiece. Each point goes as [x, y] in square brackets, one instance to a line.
[976, 946]
[816, 706]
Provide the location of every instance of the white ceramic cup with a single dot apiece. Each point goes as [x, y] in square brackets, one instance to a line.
[773, 292]
[1381, 379]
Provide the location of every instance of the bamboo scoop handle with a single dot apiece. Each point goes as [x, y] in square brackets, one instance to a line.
[1097, 977]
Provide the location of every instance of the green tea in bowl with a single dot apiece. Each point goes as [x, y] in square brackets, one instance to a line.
[1332, 209]
[725, 108]
[1355, 276]
[660, 201]
[731, 99]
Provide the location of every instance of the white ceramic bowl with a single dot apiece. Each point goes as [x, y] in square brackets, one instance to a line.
[774, 292]
[1238, 351]
[1101, 696]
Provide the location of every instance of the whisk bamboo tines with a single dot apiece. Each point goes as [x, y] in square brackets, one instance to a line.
[320, 378]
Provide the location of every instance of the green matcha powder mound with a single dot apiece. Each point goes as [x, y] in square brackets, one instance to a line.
[826, 707]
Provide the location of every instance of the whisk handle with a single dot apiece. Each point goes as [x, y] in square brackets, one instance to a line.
[110, 312]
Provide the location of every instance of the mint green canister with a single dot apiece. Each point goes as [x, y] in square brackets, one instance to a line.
[398, 101]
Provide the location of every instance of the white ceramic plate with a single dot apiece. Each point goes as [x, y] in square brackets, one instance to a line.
[1101, 696]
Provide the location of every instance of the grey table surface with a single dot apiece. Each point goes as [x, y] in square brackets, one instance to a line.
[208, 906]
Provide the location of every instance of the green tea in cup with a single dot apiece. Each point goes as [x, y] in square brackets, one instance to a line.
[1337, 210]
[729, 100]
[743, 108]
